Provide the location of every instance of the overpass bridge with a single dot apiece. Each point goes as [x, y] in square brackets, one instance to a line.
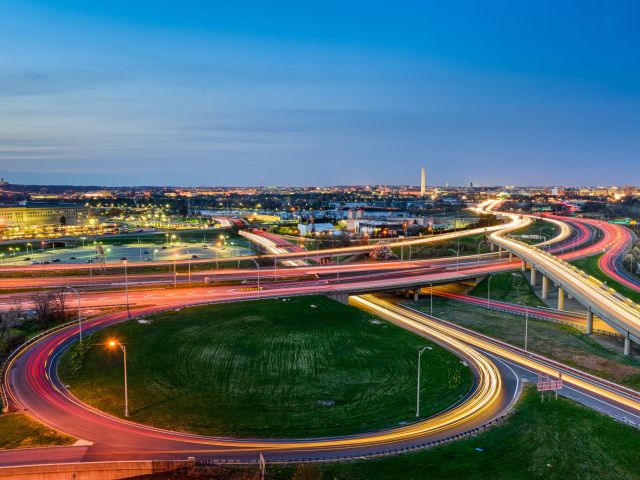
[617, 311]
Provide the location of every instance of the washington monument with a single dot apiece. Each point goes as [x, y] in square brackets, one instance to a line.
[423, 183]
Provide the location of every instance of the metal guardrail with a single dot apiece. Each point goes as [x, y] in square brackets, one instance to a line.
[3, 393]
[360, 456]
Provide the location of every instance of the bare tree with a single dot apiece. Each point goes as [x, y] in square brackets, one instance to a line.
[45, 308]
[60, 303]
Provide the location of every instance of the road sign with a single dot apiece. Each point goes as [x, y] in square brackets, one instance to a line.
[549, 384]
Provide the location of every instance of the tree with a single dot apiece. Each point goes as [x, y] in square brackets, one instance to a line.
[59, 297]
[44, 308]
[10, 318]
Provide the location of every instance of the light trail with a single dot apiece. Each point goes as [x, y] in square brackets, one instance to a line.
[573, 377]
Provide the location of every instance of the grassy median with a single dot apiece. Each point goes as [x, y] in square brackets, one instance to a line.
[560, 342]
[306, 367]
[557, 439]
[20, 431]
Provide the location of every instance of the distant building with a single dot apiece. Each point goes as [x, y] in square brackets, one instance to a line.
[43, 214]
[311, 228]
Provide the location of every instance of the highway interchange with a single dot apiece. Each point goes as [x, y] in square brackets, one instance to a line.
[31, 384]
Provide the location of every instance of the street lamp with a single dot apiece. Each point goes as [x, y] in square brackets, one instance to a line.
[420, 352]
[257, 265]
[489, 290]
[155, 252]
[526, 325]
[79, 314]
[431, 295]
[113, 344]
[126, 288]
[175, 274]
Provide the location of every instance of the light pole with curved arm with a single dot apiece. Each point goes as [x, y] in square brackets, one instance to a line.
[489, 290]
[420, 352]
[526, 326]
[257, 265]
[112, 344]
[79, 314]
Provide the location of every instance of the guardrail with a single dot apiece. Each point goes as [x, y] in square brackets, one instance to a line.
[360, 456]
[3, 393]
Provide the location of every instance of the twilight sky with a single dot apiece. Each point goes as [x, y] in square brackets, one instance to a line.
[301, 92]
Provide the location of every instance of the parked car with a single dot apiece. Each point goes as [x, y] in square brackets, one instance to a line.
[27, 259]
[56, 260]
[123, 258]
[194, 256]
[72, 258]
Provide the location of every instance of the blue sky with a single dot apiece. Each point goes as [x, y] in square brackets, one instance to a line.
[317, 93]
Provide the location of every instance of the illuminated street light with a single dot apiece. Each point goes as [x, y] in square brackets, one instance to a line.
[113, 344]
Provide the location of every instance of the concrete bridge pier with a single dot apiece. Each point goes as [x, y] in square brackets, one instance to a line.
[533, 276]
[545, 287]
[627, 346]
[416, 295]
[510, 257]
[523, 266]
[560, 298]
[589, 321]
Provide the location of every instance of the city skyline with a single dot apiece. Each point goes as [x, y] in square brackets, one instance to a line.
[213, 94]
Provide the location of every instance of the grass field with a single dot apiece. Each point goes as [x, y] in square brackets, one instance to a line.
[560, 342]
[268, 369]
[19, 431]
[468, 246]
[510, 287]
[590, 266]
[538, 227]
[551, 440]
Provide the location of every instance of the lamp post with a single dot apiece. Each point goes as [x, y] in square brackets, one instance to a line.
[79, 314]
[526, 326]
[155, 253]
[489, 290]
[113, 344]
[175, 273]
[257, 265]
[420, 352]
[431, 295]
[458, 256]
[126, 289]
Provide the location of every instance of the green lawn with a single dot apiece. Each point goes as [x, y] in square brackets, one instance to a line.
[561, 342]
[20, 431]
[590, 266]
[538, 227]
[267, 369]
[468, 246]
[557, 439]
[510, 287]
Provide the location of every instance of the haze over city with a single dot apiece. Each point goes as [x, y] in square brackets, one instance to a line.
[283, 93]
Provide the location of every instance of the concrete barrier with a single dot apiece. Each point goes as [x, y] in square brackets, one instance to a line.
[93, 470]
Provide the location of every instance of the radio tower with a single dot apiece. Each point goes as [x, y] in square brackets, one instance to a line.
[423, 184]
